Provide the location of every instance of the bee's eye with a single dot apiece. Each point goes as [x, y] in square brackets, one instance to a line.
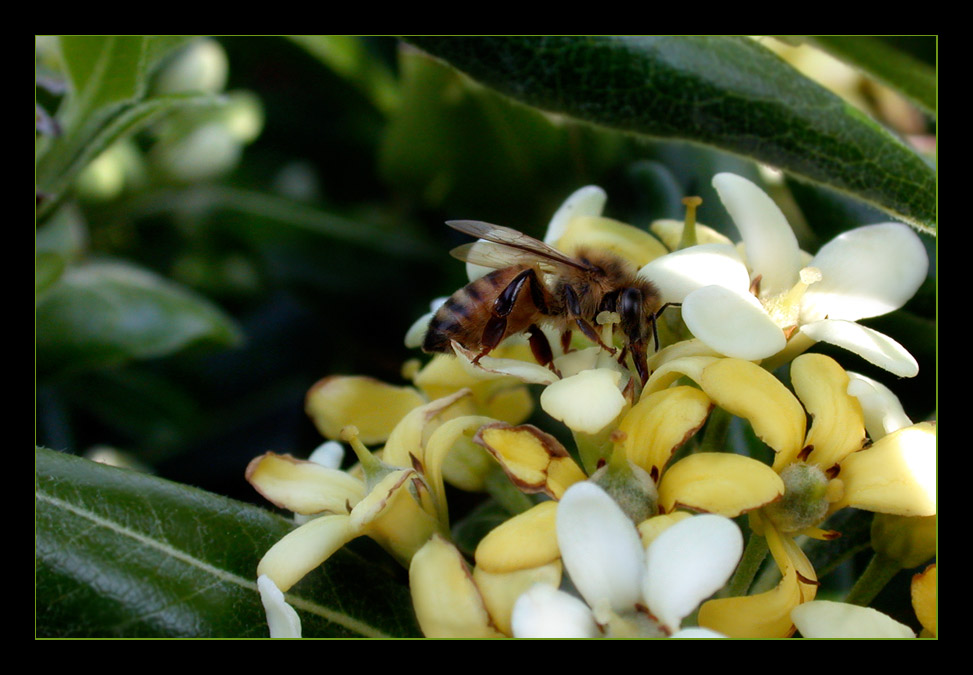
[630, 309]
[609, 303]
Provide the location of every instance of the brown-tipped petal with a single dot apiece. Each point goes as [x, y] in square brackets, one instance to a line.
[535, 461]
[660, 423]
[395, 517]
[301, 486]
[373, 406]
[838, 427]
[526, 541]
[718, 482]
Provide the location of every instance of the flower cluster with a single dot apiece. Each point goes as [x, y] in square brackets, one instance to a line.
[601, 538]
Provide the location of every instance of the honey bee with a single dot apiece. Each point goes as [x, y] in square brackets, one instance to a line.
[533, 283]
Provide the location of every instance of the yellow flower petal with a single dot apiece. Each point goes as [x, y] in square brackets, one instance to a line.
[719, 482]
[407, 442]
[924, 598]
[446, 600]
[670, 371]
[303, 549]
[303, 487]
[746, 390]
[838, 427]
[501, 591]
[393, 516]
[659, 424]
[526, 541]
[651, 528]
[442, 441]
[766, 615]
[372, 406]
[535, 461]
[604, 234]
[895, 475]
[910, 541]
[503, 398]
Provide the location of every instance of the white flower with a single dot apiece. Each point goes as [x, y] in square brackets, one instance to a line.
[281, 617]
[628, 591]
[824, 619]
[865, 272]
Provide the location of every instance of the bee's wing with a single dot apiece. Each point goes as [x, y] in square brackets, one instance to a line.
[498, 256]
[511, 247]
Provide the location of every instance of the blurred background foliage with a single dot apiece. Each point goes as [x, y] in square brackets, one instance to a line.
[223, 221]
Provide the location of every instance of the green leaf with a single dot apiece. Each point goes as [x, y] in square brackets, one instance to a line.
[893, 67]
[103, 71]
[106, 313]
[727, 92]
[66, 158]
[123, 554]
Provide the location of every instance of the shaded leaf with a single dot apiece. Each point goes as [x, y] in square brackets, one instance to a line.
[893, 67]
[104, 313]
[727, 92]
[122, 554]
[48, 268]
[348, 56]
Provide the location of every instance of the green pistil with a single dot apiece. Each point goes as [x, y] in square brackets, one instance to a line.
[689, 227]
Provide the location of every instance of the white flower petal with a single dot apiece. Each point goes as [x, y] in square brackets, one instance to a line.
[869, 344]
[733, 324]
[772, 250]
[697, 633]
[545, 612]
[586, 201]
[601, 549]
[678, 274]
[868, 271]
[830, 620]
[417, 331]
[329, 455]
[586, 402]
[882, 409]
[281, 617]
[689, 562]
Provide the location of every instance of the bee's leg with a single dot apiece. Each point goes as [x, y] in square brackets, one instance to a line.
[496, 326]
[493, 333]
[541, 348]
[574, 311]
[507, 300]
[655, 318]
[566, 341]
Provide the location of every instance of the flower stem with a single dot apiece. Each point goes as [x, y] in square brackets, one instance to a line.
[879, 572]
[717, 428]
[505, 493]
[753, 558]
